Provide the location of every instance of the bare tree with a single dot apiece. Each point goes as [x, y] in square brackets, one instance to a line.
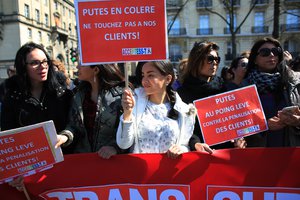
[176, 15]
[275, 33]
[290, 13]
[1, 29]
[284, 10]
[229, 6]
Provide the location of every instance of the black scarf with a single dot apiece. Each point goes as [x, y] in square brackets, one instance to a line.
[199, 88]
[265, 82]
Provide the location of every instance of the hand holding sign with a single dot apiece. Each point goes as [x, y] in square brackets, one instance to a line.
[61, 139]
[18, 183]
[128, 103]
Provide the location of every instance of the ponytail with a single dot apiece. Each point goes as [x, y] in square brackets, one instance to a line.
[172, 114]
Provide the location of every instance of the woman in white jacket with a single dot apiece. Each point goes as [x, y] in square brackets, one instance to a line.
[155, 119]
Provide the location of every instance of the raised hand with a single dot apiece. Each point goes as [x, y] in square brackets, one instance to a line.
[127, 104]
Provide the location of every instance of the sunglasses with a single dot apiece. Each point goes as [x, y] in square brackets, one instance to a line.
[265, 52]
[211, 59]
[244, 64]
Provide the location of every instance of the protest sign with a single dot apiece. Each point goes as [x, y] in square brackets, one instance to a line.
[230, 115]
[27, 150]
[121, 31]
[228, 174]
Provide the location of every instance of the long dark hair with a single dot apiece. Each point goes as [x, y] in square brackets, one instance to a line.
[20, 64]
[253, 54]
[166, 68]
[109, 75]
[197, 58]
[254, 51]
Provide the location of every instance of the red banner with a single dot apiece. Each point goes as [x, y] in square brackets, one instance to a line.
[236, 174]
[118, 31]
[234, 114]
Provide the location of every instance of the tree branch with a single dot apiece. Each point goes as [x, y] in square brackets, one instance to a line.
[176, 15]
[245, 18]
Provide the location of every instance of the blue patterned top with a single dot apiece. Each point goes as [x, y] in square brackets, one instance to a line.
[157, 133]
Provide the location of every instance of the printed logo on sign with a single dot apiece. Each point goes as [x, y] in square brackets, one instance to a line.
[34, 166]
[137, 51]
[252, 193]
[250, 129]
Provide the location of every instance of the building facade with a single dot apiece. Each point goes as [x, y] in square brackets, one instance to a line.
[202, 20]
[51, 23]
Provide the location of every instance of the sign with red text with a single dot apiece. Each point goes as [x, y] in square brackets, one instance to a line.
[234, 114]
[119, 31]
[27, 150]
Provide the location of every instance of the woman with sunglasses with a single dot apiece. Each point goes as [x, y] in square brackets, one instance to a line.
[34, 94]
[199, 80]
[278, 87]
[238, 69]
[95, 111]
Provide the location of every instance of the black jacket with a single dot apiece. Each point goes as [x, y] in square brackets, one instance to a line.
[193, 89]
[288, 94]
[21, 109]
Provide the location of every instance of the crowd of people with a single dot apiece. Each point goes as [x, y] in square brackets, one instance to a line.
[153, 114]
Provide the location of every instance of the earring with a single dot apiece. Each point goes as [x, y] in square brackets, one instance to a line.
[94, 78]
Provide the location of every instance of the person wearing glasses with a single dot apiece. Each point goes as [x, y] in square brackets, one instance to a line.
[199, 80]
[238, 69]
[226, 74]
[34, 94]
[278, 87]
